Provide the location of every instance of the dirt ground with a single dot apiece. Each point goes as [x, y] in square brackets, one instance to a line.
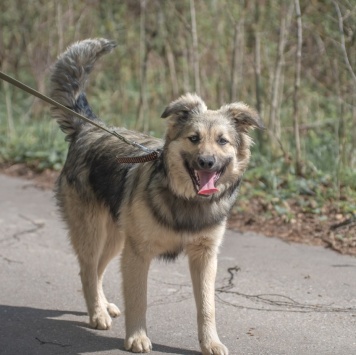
[334, 231]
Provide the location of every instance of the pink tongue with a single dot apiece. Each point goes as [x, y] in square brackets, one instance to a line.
[207, 186]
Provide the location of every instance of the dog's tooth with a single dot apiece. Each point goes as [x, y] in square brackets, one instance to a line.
[197, 177]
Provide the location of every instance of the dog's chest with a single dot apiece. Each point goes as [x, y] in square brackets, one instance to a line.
[185, 216]
[149, 237]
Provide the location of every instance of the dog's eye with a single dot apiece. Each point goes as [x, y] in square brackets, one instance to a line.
[194, 139]
[222, 141]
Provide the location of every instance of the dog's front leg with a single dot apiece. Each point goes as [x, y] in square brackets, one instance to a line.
[134, 272]
[203, 264]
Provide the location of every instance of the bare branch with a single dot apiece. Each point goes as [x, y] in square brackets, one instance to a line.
[274, 123]
[343, 46]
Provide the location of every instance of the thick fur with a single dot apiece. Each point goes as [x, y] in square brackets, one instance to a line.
[147, 210]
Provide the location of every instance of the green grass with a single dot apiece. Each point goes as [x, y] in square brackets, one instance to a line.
[274, 180]
[38, 143]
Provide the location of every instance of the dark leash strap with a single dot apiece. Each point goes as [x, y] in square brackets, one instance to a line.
[151, 154]
[140, 159]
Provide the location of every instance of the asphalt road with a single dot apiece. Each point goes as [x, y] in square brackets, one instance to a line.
[272, 297]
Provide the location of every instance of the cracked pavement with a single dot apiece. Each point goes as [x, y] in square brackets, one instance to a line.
[271, 297]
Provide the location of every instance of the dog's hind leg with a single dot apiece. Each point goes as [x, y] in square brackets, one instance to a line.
[99, 318]
[113, 246]
[88, 236]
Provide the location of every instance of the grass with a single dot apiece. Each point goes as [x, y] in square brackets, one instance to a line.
[38, 143]
[274, 179]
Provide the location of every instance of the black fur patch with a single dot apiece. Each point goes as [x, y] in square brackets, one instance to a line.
[170, 256]
[82, 106]
[107, 178]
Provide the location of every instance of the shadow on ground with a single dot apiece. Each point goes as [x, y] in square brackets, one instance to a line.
[43, 331]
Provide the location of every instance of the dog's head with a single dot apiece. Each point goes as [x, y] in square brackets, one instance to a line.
[207, 151]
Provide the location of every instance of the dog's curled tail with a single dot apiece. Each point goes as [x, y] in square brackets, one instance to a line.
[68, 80]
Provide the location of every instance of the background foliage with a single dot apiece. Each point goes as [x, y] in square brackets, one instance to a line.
[225, 50]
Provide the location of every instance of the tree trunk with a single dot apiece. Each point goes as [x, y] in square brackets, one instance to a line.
[185, 66]
[352, 155]
[172, 68]
[9, 111]
[168, 53]
[274, 123]
[237, 59]
[353, 85]
[60, 27]
[343, 46]
[257, 69]
[298, 58]
[195, 48]
[144, 54]
[233, 85]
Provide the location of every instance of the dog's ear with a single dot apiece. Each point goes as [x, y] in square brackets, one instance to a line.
[243, 116]
[185, 107]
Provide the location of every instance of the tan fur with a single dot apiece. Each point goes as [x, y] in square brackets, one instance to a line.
[152, 209]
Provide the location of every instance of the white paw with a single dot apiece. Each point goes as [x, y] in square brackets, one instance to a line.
[100, 320]
[214, 348]
[113, 310]
[139, 343]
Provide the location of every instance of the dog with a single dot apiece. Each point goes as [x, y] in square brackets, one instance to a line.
[177, 203]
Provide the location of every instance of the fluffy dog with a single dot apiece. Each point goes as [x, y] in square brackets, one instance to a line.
[158, 209]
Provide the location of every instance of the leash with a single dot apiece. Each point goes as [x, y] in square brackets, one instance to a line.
[151, 154]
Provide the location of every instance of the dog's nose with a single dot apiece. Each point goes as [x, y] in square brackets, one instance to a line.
[206, 162]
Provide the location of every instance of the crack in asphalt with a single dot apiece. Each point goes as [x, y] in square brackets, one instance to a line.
[282, 302]
[52, 343]
[16, 236]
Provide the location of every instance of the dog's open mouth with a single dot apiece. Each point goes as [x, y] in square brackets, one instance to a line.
[204, 181]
